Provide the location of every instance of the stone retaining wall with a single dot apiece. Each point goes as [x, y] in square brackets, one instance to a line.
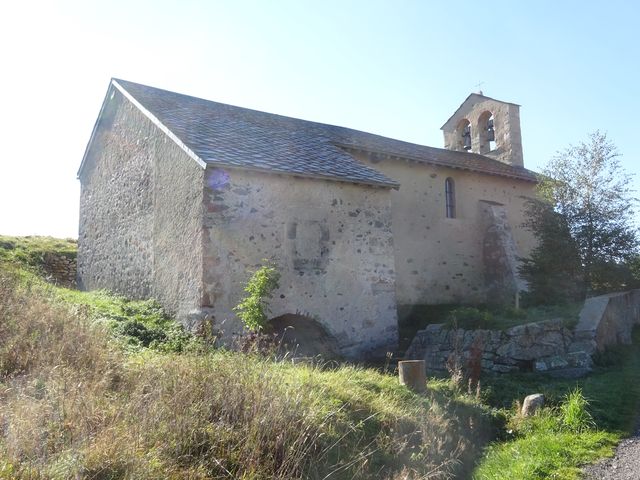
[60, 269]
[607, 320]
[545, 346]
[539, 346]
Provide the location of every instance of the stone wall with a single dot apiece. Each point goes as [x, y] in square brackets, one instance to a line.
[331, 241]
[115, 244]
[608, 320]
[441, 260]
[140, 212]
[177, 230]
[60, 269]
[540, 346]
[605, 321]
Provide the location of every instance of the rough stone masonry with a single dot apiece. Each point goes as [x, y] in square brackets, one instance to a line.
[182, 198]
[548, 346]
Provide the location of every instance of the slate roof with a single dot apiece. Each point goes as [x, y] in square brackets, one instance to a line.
[226, 135]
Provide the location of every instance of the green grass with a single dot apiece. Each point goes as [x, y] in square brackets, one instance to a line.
[558, 442]
[153, 401]
[29, 251]
[136, 323]
[503, 318]
[88, 393]
[554, 443]
[544, 455]
[139, 323]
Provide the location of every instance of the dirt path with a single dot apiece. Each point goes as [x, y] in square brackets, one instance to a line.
[624, 465]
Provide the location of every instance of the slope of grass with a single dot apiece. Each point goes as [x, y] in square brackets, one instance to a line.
[75, 404]
[138, 323]
[93, 385]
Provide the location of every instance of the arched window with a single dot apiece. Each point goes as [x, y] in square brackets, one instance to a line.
[486, 128]
[450, 197]
[463, 131]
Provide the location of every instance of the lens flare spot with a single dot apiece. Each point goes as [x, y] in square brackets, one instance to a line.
[218, 179]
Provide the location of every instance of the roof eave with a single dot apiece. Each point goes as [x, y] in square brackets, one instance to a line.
[369, 183]
[436, 163]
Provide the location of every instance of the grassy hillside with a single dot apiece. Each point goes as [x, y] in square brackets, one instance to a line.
[29, 251]
[95, 386]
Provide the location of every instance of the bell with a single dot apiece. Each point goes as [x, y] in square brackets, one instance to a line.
[467, 142]
[466, 135]
[491, 134]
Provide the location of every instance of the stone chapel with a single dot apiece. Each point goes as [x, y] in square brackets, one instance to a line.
[181, 198]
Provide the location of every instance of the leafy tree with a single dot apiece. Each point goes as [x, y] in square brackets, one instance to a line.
[587, 186]
[554, 269]
[253, 308]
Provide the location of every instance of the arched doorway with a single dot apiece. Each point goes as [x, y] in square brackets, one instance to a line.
[302, 336]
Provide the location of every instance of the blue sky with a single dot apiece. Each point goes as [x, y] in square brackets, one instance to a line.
[396, 68]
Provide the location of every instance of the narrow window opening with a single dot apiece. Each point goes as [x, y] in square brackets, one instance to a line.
[450, 196]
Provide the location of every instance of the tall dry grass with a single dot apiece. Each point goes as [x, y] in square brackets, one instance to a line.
[72, 405]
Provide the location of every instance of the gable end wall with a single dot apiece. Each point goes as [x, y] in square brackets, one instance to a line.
[140, 212]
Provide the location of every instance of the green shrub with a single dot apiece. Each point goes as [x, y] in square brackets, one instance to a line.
[545, 420]
[514, 313]
[253, 308]
[553, 443]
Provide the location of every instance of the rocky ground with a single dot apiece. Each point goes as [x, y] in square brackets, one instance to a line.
[624, 465]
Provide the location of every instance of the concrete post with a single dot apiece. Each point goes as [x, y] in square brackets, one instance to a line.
[413, 374]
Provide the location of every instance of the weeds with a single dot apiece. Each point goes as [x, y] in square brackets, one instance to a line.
[30, 251]
[470, 318]
[574, 414]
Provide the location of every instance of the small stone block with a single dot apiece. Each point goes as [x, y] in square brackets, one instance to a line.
[532, 403]
[413, 374]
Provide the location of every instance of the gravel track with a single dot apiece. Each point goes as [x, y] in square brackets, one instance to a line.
[624, 465]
